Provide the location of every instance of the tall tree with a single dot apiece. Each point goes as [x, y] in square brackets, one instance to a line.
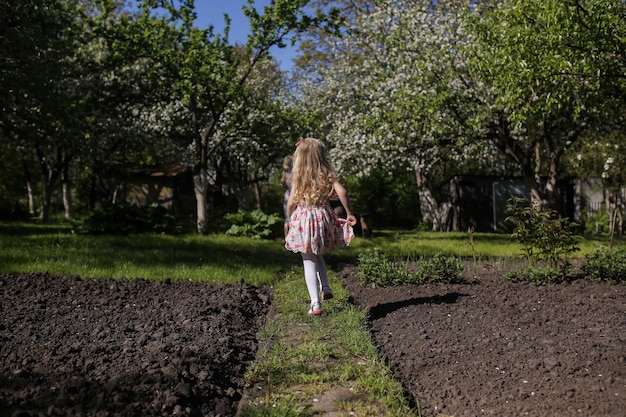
[394, 94]
[211, 78]
[546, 67]
[38, 43]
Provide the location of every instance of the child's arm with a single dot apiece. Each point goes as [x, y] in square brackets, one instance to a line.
[345, 201]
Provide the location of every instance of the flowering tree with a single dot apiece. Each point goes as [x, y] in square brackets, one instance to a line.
[394, 94]
[554, 72]
[516, 83]
[214, 82]
[41, 118]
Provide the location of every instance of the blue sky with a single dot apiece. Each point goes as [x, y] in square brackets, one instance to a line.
[211, 12]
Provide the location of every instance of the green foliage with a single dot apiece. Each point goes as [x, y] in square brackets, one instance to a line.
[123, 219]
[542, 234]
[537, 276]
[440, 268]
[285, 409]
[605, 265]
[378, 269]
[375, 267]
[597, 223]
[254, 224]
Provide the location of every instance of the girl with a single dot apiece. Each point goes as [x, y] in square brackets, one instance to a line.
[313, 226]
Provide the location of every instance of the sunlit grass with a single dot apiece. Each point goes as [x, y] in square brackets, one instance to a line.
[314, 355]
[413, 244]
[214, 258]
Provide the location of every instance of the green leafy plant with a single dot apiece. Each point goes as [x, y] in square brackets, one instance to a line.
[254, 224]
[472, 245]
[543, 235]
[605, 265]
[537, 276]
[376, 268]
[597, 223]
[441, 268]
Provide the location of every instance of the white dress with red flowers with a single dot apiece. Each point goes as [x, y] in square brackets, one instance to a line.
[317, 229]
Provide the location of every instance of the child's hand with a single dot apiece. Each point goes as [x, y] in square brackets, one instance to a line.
[351, 219]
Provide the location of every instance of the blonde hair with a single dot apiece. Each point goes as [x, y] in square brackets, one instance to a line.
[313, 176]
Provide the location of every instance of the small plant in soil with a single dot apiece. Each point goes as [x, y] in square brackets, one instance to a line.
[544, 237]
[379, 270]
[604, 265]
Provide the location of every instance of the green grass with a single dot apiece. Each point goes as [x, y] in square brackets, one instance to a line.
[305, 357]
[214, 258]
[301, 357]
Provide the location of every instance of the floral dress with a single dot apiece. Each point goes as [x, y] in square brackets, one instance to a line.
[317, 229]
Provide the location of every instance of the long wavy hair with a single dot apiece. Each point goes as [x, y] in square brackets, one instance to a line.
[313, 176]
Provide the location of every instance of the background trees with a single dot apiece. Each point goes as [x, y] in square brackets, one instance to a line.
[548, 65]
[409, 95]
[493, 87]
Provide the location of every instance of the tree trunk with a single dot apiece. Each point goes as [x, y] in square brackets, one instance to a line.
[31, 197]
[550, 196]
[29, 190]
[200, 187]
[67, 192]
[436, 214]
[46, 197]
[455, 204]
[257, 194]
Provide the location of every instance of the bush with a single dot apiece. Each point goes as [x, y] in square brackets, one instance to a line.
[537, 276]
[604, 265]
[376, 268]
[254, 224]
[123, 219]
[597, 223]
[543, 235]
[441, 268]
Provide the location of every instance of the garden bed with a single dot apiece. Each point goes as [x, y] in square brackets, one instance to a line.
[97, 347]
[496, 348]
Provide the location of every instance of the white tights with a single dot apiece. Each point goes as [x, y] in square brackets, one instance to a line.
[314, 272]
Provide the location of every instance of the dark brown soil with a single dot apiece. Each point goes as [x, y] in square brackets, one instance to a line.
[505, 349]
[72, 347]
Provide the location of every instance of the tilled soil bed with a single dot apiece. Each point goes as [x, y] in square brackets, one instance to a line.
[497, 348]
[98, 347]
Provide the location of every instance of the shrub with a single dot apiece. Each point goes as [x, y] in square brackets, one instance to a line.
[604, 265]
[597, 223]
[123, 219]
[543, 235]
[376, 268]
[254, 224]
[441, 268]
[537, 276]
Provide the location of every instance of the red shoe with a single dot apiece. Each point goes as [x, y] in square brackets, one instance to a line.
[315, 309]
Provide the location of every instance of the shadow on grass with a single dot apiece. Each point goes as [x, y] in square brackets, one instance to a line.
[29, 248]
[28, 228]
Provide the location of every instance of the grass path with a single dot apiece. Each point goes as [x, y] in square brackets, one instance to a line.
[326, 365]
